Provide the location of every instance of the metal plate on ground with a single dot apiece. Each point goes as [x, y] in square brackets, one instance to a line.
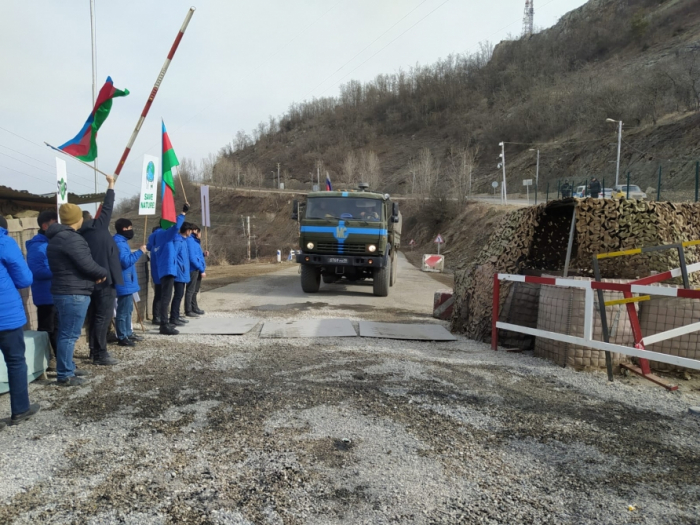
[213, 326]
[308, 328]
[410, 332]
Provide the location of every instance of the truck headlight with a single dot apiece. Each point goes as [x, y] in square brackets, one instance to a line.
[310, 245]
[371, 248]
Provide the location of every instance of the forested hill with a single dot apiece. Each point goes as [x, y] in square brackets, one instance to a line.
[424, 129]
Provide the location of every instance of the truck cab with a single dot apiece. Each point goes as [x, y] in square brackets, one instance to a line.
[352, 235]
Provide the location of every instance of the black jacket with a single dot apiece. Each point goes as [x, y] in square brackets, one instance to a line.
[73, 270]
[595, 187]
[102, 246]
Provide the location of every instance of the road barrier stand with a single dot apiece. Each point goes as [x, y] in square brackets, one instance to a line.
[640, 286]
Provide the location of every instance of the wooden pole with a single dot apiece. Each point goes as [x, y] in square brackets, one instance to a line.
[145, 229]
[154, 92]
[76, 158]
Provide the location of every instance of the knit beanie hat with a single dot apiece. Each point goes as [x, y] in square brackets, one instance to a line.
[70, 213]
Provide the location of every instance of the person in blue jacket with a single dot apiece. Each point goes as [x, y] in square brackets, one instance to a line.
[151, 246]
[46, 313]
[126, 291]
[14, 275]
[183, 273]
[198, 269]
[166, 257]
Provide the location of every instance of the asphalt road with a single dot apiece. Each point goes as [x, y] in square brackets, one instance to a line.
[279, 294]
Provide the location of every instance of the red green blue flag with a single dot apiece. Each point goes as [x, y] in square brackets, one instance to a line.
[168, 213]
[84, 144]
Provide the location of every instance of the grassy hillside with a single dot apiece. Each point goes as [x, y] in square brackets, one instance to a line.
[634, 60]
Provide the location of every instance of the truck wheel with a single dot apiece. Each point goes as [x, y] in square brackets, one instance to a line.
[394, 267]
[310, 279]
[381, 277]
[330, 279]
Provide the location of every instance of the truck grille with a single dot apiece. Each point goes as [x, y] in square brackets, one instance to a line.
[334, 247]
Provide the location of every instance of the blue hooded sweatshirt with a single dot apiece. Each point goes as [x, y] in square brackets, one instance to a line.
[196, 255]
[39, 265]
[128, 262]
[166, 256]
[183, 260]
[14, 275]
[151, 246]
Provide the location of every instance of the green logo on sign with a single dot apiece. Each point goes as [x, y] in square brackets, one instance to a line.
[62, 189]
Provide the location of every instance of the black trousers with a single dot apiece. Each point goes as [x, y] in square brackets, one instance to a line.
[167, 284]
[178, 294]
[158, 291]
[47, 321]
[99, 317]
[191, 292]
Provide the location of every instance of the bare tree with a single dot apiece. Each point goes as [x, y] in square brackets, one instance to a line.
[188, 170]
[370, 168]
[426, 170]
[462, 164]
[254, 175]
[350, 167]
[241, 141]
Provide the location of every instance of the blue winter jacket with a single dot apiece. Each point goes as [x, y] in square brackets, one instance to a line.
[128, 262]
[196, 255]
[14, 275]
[39, 265]
[165, 248]
[183, 260]
[151, 246]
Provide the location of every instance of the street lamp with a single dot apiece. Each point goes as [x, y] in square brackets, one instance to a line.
[502, 156]
[537, 173]
[619, 147]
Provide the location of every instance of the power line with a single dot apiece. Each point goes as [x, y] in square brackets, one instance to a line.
[37, 168]
[364, 49]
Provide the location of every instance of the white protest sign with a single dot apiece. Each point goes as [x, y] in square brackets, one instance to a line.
[149, 186]
[204, 196]
[61, 182]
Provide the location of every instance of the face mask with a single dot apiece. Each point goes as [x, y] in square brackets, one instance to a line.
[128, 234]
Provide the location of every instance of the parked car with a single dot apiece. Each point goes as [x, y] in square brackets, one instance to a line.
[607, 193]
[580, 192]
[620, 191]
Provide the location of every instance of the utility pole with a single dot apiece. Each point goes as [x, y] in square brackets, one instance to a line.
[619, 147]
[504, 190]
[248, 220]
[318, 176]
[278, 176]
[238, 170]
[93, 48]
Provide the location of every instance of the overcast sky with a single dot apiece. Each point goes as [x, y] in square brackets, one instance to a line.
[238, 63]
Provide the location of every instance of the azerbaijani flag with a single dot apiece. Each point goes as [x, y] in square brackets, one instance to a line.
[167, 212]
[84, 144]
[328, 183]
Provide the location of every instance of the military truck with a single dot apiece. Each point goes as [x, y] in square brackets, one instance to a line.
[352, 235]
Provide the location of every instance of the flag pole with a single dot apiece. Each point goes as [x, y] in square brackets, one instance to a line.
[154, 92]
[145, 228]
[76, 158]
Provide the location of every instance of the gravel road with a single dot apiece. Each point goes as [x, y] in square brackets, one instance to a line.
[241, 430]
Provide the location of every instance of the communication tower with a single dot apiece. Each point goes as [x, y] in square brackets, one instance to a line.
[529, 17]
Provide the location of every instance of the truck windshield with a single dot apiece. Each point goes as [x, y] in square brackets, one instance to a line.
[344, 208]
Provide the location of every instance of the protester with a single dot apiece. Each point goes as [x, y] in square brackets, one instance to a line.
[125, 292]
[166, 258]
[75, 274]
[197, 270]
[106, 254]
[151, 246]
[14, 275]
[182, 278]
[594, 187]
[47, 316]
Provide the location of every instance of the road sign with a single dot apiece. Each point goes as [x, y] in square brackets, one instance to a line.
[433, 263]
[527, 182]
[438, 239]
[494, 184]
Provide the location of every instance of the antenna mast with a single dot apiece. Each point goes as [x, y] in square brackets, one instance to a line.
[529, 18]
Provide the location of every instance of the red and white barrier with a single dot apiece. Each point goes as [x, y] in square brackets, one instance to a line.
[443, 305]
[433, 263]
[587, 339]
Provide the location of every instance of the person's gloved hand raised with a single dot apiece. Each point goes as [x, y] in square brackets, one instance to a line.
[185, 208]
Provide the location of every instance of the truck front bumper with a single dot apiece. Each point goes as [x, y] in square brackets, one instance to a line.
[362, 261]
